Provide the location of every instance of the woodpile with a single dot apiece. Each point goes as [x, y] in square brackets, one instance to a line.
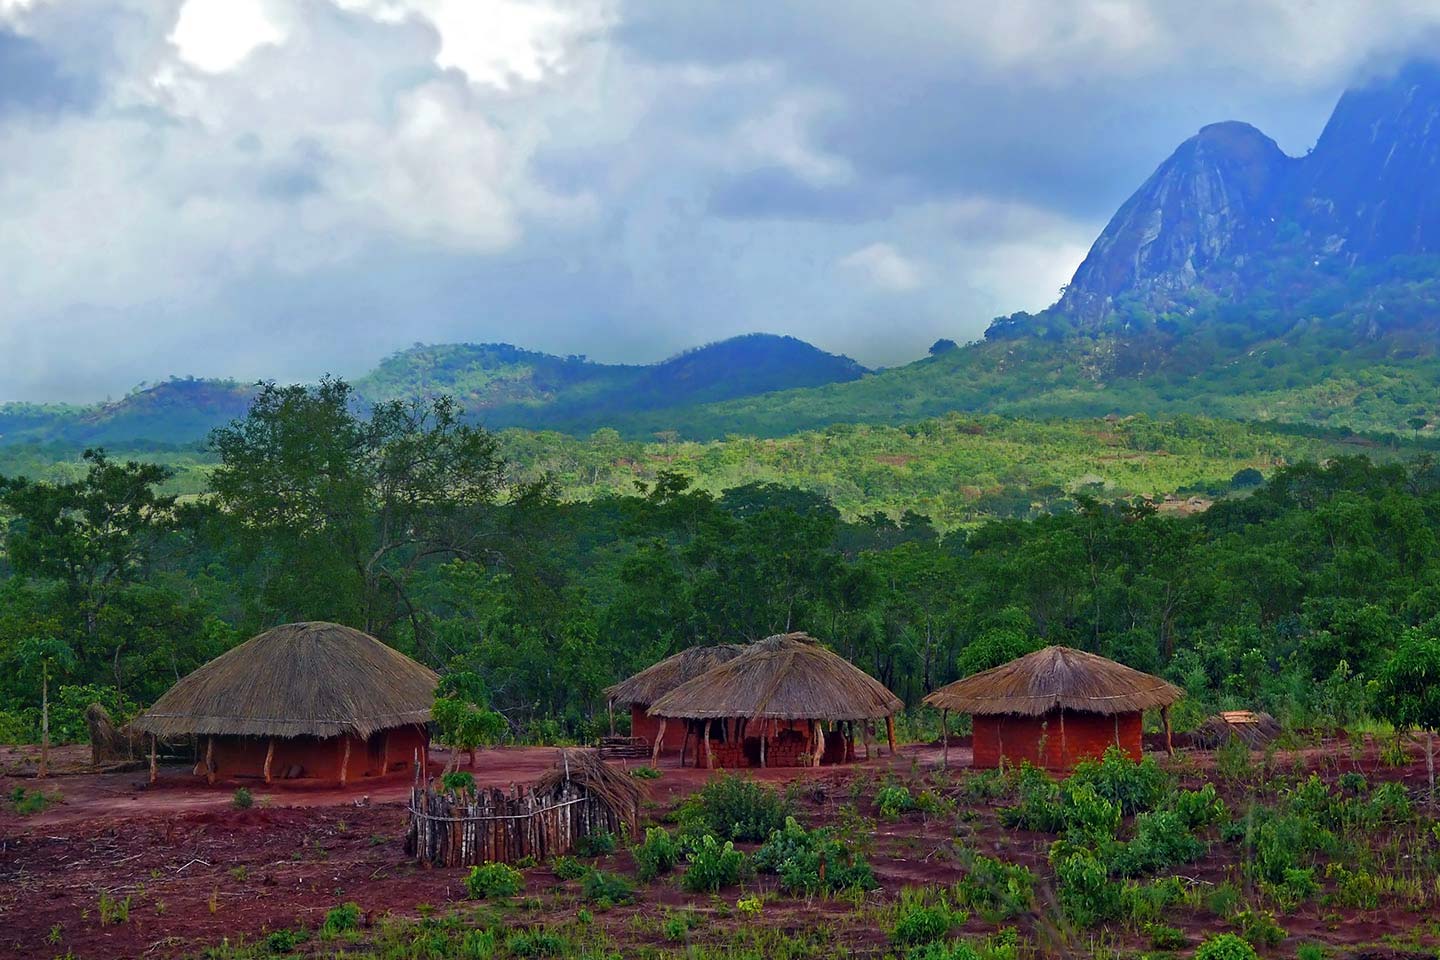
[625, 748]
[581, 796]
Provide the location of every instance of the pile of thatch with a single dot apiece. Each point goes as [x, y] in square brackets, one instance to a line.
[109, 743]
[1055, 677]
[302, 679]
[615, 788]
[1254, 730]
[785, 677]
[655, 681]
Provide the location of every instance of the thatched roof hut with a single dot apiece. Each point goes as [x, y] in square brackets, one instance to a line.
[1055, 706]
[1254, 729]
[788, 680]
[655, 681]
[310, 682]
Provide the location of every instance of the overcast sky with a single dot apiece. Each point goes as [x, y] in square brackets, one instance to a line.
[284, 188]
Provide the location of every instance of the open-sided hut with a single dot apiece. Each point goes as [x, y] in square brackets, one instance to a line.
[305, 700]
[1054, 707]
[652, 683]
[770, 707]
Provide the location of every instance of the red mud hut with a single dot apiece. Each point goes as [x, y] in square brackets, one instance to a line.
[313, 701]
[771, 705]
[1054, 707]
[652, 683]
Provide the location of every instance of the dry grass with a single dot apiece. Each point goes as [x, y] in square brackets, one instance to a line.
[612, 786]
[654, 682]
[785, 677]
[1254, 730]
[301, 679]
[1039, 682]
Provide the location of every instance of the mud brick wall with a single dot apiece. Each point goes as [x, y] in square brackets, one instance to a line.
[1042, 742]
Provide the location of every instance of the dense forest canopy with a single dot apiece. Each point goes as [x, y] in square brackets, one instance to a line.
[412, 524]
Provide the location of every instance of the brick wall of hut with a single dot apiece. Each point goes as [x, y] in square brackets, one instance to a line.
[1047, 742]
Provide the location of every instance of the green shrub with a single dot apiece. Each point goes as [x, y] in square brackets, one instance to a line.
[812, 861]
[995, 890]
[732, 807]
[568, 868]
[1165, 938]
[1150, 902]
[893, 800]
[658, 854]
[1297, 886]
[491, 880]
[1226, 946]
[242, 800]
[458, 781]
[284, 941]
[645, 773]
[1161, 840]
[1087, 894]
[28, 803]
[952, 950]
[1259, 928]
[1199, 808]
[596, 844]
[1089, 817]
[1037, 805]
[606, 888]
[920, 923]
[537, 943]
[1232, 760]
[713, 866]
[340, 919]
[1134, 787]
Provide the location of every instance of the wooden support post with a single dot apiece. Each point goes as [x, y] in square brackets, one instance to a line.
[610, 709]
[865, 736]
[945, 737]
[210, 759]
[709, 753]
[1169, 739]
[345, 762]
[685, 742]
[764, 735]
[890, 732]
[1116, 718]
[659, 741]
[154, 760]
[819, 743]
[269, 757]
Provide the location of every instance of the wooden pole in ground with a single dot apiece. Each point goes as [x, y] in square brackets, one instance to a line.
[659, 741]
[945, 737]
[269, 756]
[709, 753]
[764, 735]
[210, 759]
[345, 762]
[1169, 740]
[44, 769]
[819, 743]
[154, 760]
[1116, 718]
[890, 732]
[610, 709]
[685, 743]
[1430, 763]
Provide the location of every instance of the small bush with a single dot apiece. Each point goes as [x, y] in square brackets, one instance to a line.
[893, 800]
[658, 854]
[340, 919]
[731, 807]
[953, 950]
[242, 800]
[1232, 760]
[1161, 840]
[606, 888]
[1165, 938]
[537, 943]
[597, 844]
[812, 861]
[284, 941]
[1226, 946]
[492, 880]
[713, 866]
[1134, 787]
[1259, 928]
[645, 773]
[750, 907]
[1087, 894]
[28, 803]
[1199, 808]
[458, 781]
[568, 868]
[995, 890]
[918, 924]
[113, 910]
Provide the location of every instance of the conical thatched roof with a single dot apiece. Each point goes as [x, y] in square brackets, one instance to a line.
[301, 679]
[1055, 677]
[785, 677]
[655, 681]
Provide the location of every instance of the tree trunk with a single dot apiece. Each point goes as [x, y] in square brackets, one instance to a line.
[1430, 763]
[44, 770]
[945, 738]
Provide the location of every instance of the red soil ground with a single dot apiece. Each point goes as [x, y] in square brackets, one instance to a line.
[197, 870]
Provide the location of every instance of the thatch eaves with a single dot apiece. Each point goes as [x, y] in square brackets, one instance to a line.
[301, 679]
[785, 677]
[1055, 677]
[655, 681]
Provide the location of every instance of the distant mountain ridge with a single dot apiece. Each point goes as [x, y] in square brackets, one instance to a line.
[497, 384]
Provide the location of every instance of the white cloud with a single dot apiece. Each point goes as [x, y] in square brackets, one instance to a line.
[215, 35]
[882, 266]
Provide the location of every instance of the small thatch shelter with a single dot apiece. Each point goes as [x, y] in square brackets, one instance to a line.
[305, 700]
[1054, 707]
[652, 683]
[770, 705]
[1253, 729]
[110, 744]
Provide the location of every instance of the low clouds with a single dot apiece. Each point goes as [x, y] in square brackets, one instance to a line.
[288, 187]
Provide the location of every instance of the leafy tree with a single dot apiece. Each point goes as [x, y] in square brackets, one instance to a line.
[461, 718]
[1408, 693]
[39, 657]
